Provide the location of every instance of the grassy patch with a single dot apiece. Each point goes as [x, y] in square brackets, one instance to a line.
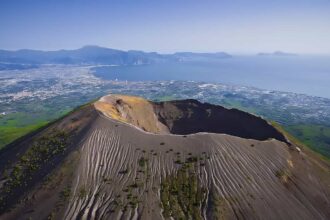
[42, 151]
[317, 137]
[182, 195]
[29, 116]
[82, 192]
[142, 162]
[65, 194]
[283, 175]
[300, 142]
[218, 207]
[9, 133]
[231, 103]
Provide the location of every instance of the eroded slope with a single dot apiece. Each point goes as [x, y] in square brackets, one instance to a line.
[205, 175]
[113, 170]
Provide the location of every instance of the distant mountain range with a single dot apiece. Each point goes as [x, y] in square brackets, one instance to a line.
[100, 55]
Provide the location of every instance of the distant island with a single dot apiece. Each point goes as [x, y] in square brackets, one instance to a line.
[277, 53]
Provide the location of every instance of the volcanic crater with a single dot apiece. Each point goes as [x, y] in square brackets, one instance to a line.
[124, 157]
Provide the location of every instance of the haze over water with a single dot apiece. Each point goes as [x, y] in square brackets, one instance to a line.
[300, 74]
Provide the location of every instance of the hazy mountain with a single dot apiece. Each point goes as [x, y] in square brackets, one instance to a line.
[99, 55]
[125, 157]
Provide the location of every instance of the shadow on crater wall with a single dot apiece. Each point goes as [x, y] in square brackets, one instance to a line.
[191, 116]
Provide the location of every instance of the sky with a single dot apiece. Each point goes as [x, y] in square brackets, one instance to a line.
[235, 26]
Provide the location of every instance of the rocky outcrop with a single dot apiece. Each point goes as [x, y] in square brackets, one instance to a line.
[192, 116]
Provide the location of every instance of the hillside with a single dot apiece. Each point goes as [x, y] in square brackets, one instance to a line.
[26, 58]
[125, 157]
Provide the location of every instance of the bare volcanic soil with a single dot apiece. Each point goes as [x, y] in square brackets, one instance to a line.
[124, 157]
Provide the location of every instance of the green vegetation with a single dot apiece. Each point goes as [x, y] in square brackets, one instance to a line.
[218, 208]
[284, 176]
[28, 117]
[65, 194]
[11, 132]
[298, 142]
[42, 151]
[16, 125]
[317, 137]
[182, 194]
[31, 115]
[142, 162]
[165, 98]
[244, 106]
[82, 192]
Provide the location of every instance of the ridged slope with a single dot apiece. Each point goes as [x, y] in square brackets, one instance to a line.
[113, 170]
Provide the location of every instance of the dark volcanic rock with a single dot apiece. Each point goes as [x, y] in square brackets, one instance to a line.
[191, 116]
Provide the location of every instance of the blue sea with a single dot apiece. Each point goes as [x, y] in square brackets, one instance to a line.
[300, 74]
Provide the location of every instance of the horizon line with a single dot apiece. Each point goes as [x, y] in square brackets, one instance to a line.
[172, 52]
